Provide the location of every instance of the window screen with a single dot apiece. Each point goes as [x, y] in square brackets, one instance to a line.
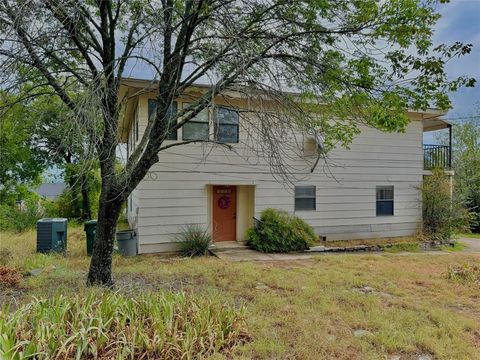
[197, 128]
[172, 111]
[384, 200]
[226, 125]
[305, 198]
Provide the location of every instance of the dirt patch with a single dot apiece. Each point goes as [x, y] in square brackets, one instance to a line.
[290, 264]
[132, 283]
[9, 277]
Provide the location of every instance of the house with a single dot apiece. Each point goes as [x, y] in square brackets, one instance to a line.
[51, 191]
[370, 190]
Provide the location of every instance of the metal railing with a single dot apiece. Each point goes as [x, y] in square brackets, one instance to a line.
[437, 156]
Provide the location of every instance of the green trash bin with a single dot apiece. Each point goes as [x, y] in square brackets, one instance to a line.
[90, 228]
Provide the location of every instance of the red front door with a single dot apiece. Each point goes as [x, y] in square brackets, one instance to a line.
[224, 213]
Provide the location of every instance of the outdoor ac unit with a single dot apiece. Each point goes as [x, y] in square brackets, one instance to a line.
[52, 235]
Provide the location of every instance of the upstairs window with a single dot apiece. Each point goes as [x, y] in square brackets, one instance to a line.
[384, 200]
[197, 128]
[226, 125]
[172, 111]
[305, 198]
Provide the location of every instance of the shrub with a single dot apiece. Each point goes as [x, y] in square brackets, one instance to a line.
[113, 326]
[194, 240]
[442, 214]
[20, 219]
[279, 231]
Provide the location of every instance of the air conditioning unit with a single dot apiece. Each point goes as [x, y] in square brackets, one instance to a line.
[52, 235]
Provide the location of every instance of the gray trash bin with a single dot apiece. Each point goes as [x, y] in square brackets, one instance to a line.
[127, 242]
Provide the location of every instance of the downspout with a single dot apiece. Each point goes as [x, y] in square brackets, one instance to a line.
[449, 146]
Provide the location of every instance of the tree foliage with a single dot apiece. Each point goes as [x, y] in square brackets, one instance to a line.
[443, 214]
[22, 163]
[466, 164]
[364, 61]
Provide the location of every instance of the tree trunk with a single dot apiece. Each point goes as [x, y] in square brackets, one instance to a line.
[100, 272]
[86, 211]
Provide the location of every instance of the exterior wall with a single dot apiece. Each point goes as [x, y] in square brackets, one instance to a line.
[177, 189]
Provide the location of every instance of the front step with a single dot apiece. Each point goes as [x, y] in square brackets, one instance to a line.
[227, 245]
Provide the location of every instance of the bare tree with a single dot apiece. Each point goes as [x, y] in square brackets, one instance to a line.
[349, 56]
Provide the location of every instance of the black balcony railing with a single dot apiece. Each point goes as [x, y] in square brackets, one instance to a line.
[437, 156]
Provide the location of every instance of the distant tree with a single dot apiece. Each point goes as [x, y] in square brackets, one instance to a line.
[350, 55]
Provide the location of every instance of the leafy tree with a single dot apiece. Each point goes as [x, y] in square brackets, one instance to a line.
[38, 133]
[22, 163]
[349, 55]
[57, 133]
[443, 215]
[466, 164]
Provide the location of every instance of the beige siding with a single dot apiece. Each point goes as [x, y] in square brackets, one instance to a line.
[176, 190]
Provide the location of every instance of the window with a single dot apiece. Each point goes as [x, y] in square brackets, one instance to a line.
[226, 125]
[384, 200]
[305, 198]
[197, 128]
[172, 111]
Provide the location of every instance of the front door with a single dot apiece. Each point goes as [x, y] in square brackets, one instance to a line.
[224, 213]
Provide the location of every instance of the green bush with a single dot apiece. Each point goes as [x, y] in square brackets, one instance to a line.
[279, 231]
[113, 326]
[19, 219]
[443, 215]
[194, 241]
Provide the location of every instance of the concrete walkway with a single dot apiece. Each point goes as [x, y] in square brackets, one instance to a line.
[252, 255]
[244, 254]
[473, 244]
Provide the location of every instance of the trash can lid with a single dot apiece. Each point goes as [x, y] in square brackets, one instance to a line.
[91, 222]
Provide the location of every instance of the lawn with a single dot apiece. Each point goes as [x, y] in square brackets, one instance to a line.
[352, 306]
[469, 235]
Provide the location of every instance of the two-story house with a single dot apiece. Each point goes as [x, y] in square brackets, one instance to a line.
[368, 191]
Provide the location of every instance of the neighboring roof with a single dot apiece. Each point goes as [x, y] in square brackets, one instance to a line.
[51, 191]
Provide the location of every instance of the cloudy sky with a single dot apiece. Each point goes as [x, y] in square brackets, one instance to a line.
[461, 22]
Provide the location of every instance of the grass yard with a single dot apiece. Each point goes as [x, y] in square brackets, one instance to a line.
[352, 306]
[469, 235]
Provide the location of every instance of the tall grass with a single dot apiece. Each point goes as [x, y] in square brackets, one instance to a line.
[111, 326]
[194, 240]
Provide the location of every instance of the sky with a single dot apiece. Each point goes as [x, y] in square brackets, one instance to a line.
[461, 22]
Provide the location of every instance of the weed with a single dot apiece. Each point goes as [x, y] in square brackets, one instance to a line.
[5, 256]
[194, 241]
[405, 247]
[109, 325]
[464, 273]
[453, 246]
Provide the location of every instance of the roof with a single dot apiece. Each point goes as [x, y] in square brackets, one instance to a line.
[135, 86]
[51, 191]
[433, 124]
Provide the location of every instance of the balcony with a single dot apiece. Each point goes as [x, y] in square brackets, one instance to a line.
[437, 156]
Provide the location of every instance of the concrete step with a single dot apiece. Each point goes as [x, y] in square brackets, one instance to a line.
[227, 245]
